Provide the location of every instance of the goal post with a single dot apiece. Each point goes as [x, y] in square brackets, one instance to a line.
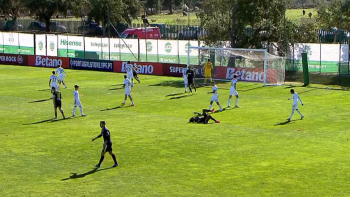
[253, 65]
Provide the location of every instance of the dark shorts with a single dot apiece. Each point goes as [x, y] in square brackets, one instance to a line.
[107, 147]
[190, 80]
[58, 104]
[134, 73]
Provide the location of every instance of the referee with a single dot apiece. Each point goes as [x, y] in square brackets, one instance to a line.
[107, 144]
[190, 77]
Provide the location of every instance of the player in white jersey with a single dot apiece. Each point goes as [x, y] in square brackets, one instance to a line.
[215, 96]
[296, 100]
[184, 75]
[129, 72]
[61, 75]
[77, 102]
[233, 91]
[53, 82]
[127, 86]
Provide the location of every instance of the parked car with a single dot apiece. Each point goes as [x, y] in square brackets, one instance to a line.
[55, 26]
[91, 29]
[191, 33]
[142, 33]
[164, 29]
[37, 26]
[10, 25]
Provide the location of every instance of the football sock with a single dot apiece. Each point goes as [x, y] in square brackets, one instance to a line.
[56, 114]
[195, 88]
[124, 101]
[185, 88]
[101, 159]
[291, 114]
[299, 112]
[189, 87]
[81, 110]
[74, 109]
[210, 106]
[229, 102]
[236, 101]
[220, 107]
[114, 159]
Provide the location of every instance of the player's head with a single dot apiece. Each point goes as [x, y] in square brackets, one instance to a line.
[292, 91]
[53, 88]
[213, 82]
[192, 119]
[125, 77]
[208, 60]
[76, 87]
[102, 124]
[129, 62]
[53, 72]
[234, 76]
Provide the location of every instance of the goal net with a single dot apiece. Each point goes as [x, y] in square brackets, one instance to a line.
[253, 65]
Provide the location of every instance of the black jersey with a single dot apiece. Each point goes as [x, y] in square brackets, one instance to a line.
[106, 135]
[57, 96]
[190, 73]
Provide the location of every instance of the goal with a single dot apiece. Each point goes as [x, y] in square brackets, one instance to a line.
[253, 65]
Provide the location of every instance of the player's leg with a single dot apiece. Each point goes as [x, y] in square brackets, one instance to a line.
[136, 77]
[63, 83]
[55, 107]
[132, 102]
[74, 109]
[185, 82]
[61, 112]
[302, 116]
[204, 111]
[194, 85]
[291, 115]
[211, 104]
[209, 117]
[237, 101]
[190, 84]
[103, 152]
[217, 102]
[114, 159]
[126, 97]
[229, 100]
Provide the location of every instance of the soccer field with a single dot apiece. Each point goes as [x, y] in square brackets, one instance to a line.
[252, 152]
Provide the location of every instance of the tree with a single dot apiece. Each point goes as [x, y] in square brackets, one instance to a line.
[116, 10]
[171, 3]
[45, 9]
[11, 10]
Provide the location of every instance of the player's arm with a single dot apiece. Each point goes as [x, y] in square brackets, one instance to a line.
[199, 114]
[300, 100]
[93, 139]
[235, 85]
[50, 83]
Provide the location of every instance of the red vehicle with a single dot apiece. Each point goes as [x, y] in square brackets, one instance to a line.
[142, 33]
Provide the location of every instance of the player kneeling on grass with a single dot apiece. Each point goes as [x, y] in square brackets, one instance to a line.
[77, 102]
[57, 101]
[203, 117]
[127, 86]
[215, 97]
[233, 91]
[296, 99]
[107, 144]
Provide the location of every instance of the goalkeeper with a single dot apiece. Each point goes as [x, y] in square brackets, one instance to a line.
[204, 117]
[208, 67]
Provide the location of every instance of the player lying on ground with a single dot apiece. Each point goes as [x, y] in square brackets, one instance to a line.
[203, 117]
[296, 99]
[107, 144]
[127, 86]
[57, 103]
[61, 75]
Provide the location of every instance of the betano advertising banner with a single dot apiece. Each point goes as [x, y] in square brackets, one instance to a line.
[12, 59]
[98, 65]
[147, 68]
[40, 44]
[71, 46]
[49, 62]
[252, 74]
[51, 43]
[168, 51]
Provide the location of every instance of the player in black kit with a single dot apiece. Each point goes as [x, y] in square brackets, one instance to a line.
[57, 103]
[134, 73]
[190, 78]
[206, 117]
[107, 144]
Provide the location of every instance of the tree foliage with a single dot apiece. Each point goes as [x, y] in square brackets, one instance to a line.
[10, 8]
[45, 9]
[336, 14]
[252, 24]
[171, 3]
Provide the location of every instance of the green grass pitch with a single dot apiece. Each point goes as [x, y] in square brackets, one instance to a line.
[250, 153]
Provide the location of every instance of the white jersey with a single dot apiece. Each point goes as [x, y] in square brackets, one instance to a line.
[129, 69]
[233, 82]
[76, 95]
[184, 73]
[54, 80]
[215, 91]
[127, 84]
[60, 71]
[296, 99]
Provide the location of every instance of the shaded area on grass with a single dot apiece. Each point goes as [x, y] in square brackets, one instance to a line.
[285, 122]
[116, 88]
[118, 107]
[52, 120]
[45, 89]
[77, 176]
[38, 101]
[179, 97]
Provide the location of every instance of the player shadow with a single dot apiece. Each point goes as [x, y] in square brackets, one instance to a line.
[175, 94]
[118, 107]
[116, 88]
[284, 123]
[61, 119]
[179, 97]
[218, 111]
[45, 89]
[42, 121]
[252, 88]
[118, 84]
[78, 176]
[38, 101]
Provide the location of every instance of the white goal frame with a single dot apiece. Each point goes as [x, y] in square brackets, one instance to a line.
[231, 49]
